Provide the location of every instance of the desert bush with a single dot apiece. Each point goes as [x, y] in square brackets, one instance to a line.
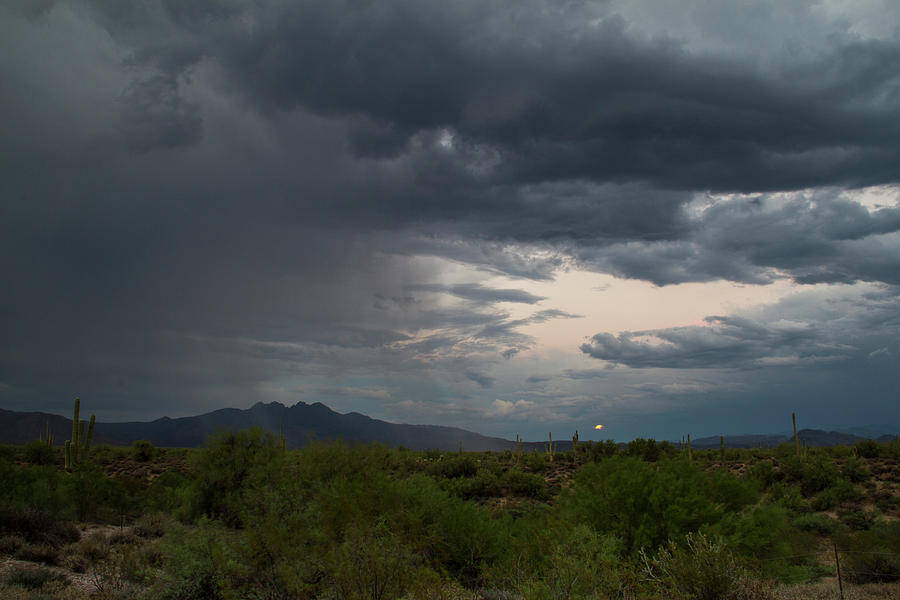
[763, 531]
[529, 485]
[644, 449]
[464, 465]
[577, 563]
[37, 526]
[142, 451]
[855, 470]
[42, 553]
[39, 453]
[151, 526]
[372, 565]
[885, 501]
[95, 496]
[535, 461]
[230, 467]
[649, 503]
[76, 563]
[857, 519]
[699, 568]
[170, 493]
[789, 497]
[195, 563]
[32, 577]
[104, 454]
[839, 492]
[484, 484]
[817, 524]
[93, 547]
[867, 448]
[124, 537]
[596, 451]
[10, 543]
[870, 567]
[763, 472]
[816, 475]
[871, 555]
[34, 487]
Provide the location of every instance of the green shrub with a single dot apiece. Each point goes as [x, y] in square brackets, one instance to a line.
[767, 532]
[170, 493]
[647, 504]
[596, 451]
[142, 451]
[195, 563]
[94, 495]
[33, 578]
[867, 448]
[151, 526]
[372, 565]
[763, 472]
[870, 567]
[451, 467]
[535, 461]
[816, 476]
[788, 496]
[644, 449]
[700, 568]
[34, 487]
[232, 467]
[840, 492]
[42, 553]
[485, 484]
[93, 547]
[855, 470]
[817, 524]
[39, 453]
[529, 485]
[37, 526]
[857, 519]
[10, 543]
[872, 555]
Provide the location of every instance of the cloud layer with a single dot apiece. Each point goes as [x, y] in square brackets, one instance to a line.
[212, 202]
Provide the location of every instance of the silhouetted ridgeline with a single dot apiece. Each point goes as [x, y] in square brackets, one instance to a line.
[304, 420]
[300, 422]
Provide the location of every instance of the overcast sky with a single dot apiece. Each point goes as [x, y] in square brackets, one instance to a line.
[513, 216]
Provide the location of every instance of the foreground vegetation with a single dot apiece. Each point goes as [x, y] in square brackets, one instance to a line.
[244, 518]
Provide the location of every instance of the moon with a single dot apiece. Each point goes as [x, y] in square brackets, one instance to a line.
[599, 427]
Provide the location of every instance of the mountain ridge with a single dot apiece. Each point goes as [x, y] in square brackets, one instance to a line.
[303, 422]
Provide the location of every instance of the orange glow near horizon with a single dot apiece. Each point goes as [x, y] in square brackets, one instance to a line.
[599, 427]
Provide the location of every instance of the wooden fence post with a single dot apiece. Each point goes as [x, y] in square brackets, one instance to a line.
[837, 563]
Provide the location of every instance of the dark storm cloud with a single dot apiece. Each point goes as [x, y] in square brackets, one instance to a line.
[480, 294]
[482, 379]
[156, 116]
[817, 237]
[804, 330]
[196, 195]
[555, 93]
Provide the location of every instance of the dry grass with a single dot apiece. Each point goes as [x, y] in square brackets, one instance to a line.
[828, 590]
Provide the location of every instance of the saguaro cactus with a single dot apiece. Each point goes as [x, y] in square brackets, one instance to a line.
[90, 433]
[796, 439]
[722, 447]
[575, 446]
[76, 431]
[550, 446]
[68, 455]
[281, 433]
[690, 453]
[47, 435]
